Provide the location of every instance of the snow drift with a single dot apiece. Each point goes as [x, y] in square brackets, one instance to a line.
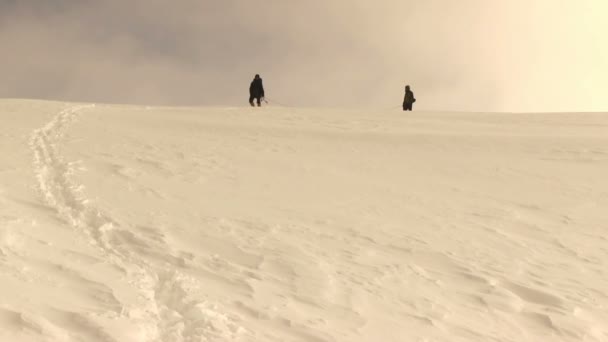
[123, 223]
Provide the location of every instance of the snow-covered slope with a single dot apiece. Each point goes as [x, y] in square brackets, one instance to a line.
[126, 223]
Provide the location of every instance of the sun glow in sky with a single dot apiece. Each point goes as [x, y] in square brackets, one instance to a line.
[466, 55]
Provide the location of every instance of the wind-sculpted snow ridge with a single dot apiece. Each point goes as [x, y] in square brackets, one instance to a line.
[164, 311]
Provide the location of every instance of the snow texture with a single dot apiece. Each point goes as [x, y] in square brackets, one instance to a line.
[124, 223]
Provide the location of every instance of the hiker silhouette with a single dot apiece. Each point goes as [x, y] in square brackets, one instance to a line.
[408, 99]
[256, 91]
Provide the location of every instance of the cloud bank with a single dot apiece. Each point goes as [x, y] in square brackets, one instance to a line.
[541, 55]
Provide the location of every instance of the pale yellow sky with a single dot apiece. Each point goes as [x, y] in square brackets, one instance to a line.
[557, 49]
[480, 55]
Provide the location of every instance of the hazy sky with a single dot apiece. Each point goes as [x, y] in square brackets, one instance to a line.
[483, 55]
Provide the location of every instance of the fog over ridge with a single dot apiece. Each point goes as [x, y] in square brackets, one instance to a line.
[475, 55]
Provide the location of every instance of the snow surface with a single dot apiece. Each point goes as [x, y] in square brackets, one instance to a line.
[122, 223]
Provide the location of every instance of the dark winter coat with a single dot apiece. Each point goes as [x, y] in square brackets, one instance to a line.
[256, 89]
[409, 97]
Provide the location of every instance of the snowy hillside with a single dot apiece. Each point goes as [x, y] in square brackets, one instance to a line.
[123, 223]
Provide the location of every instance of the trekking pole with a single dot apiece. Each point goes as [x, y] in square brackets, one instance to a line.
[277, 103]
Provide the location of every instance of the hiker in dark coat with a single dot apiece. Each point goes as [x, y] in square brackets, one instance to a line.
[256, 91]
[409, 99]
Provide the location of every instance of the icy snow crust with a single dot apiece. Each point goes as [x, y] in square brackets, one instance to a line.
[123, 223]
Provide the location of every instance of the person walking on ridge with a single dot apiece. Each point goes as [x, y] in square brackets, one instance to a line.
[409, 99]
[256, 91]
